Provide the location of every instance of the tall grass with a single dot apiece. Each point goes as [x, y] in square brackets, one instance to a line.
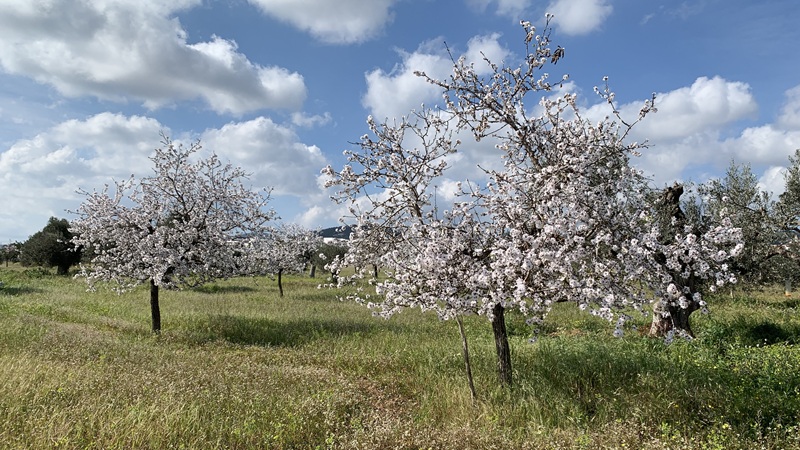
[239, 367]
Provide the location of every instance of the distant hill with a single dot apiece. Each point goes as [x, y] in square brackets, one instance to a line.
[336, 232]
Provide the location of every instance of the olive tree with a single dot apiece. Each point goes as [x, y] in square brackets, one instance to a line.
[788, 207]
[10, 252]
[764, 224]
[187, 224]
[51, 247]
[325, 253]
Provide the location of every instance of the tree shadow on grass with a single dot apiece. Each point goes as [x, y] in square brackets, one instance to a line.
[608, 380]
[13, 291]
[266, 332]
[745, 331]
[216, 289]
[770, 333]
[789, 303]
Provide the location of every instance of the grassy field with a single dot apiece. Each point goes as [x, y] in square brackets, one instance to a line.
[239, 367]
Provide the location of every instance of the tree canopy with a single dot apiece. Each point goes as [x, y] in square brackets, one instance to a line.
[187, 224]
[51, 247]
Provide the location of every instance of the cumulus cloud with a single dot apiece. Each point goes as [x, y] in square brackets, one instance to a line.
[273, 153]
[790, 113]
[40, 177]
[135, 50]
[578, 17]
[689, 128]
[773, 181]
[690, 135]
[765, 145]
[313, 216]
[395, 94]
[708, 104]
[308, 121]
[106, 145]
[335, 22]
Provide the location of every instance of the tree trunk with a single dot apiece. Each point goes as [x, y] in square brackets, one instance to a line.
[155, 311]
[280, 282]
[467, 364]
[501, 344]
[375, 271]
[667, 317]
[313, 271]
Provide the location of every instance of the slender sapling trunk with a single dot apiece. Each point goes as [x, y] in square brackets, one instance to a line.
[155, 311]
[280, 282]
[467, 364]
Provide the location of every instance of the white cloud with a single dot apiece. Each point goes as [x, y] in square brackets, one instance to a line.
[790, 113]
[765, 145]
[773, 181]
[105, 145]
[272, 153]
[116, 50]
[577, 17]
[395, 94]
[708, 104]
[690, 133]
[668, 161]
[487, 46]
[39, 177]
[306, 121]
[314, 215]
[335, 22]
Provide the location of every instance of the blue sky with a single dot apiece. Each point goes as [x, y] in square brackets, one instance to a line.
[281, 87]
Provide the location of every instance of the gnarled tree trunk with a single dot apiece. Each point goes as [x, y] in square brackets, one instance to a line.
[671, 317]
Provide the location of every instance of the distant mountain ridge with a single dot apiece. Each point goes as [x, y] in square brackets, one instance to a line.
[342, 232]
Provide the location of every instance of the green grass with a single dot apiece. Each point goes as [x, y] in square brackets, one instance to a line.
[239, 367]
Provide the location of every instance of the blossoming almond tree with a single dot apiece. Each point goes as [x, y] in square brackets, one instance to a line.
[285, 248]
[564, 218]
[183, 226]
